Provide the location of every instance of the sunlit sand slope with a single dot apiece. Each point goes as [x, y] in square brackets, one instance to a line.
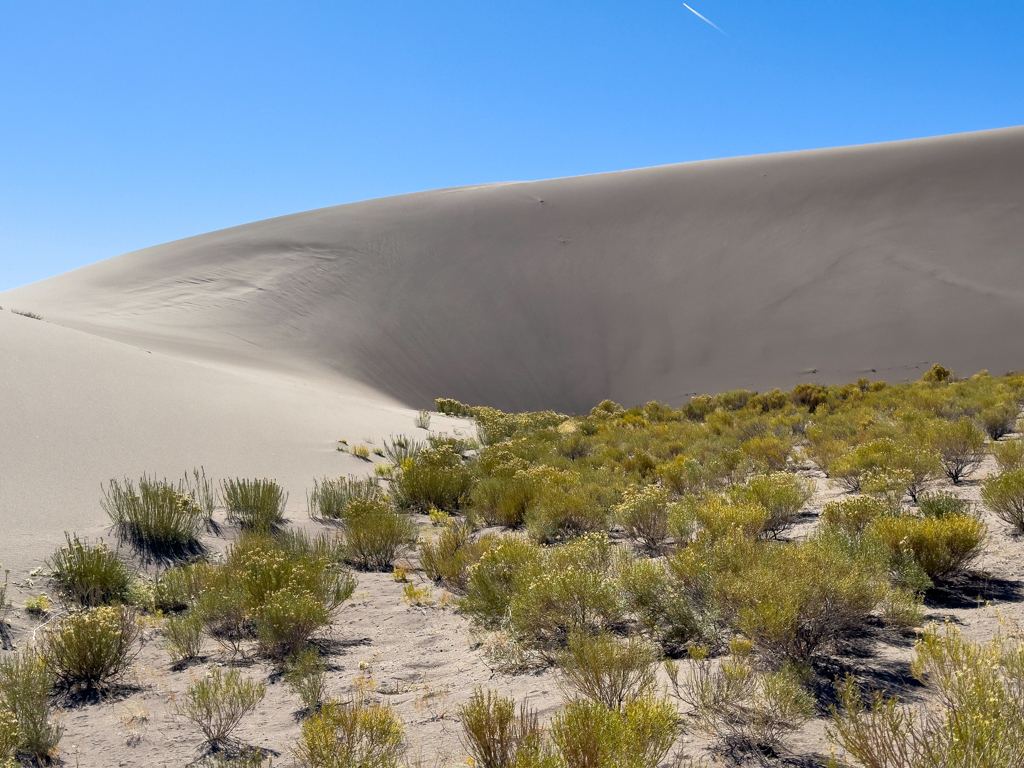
[650, 284]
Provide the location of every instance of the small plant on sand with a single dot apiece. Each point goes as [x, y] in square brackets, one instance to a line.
[361, 452]
[92, 649]
[23, 313]
[376, 533]
[422, 420]
[495, 734]
[89, 575]
[401, 448]
[436, 477]
[256, 505]
[1004, 495]
[217, 704]
[942, 503]
[740, 707]
[640, 735]
[330, 498]
[606, 670]
[184, 636]
[202, 491]
[977, 720]
[25, 689]
[155, 517]
[307, 676]
[39, 605]
[781, 494]
[447, 559]
[1009, 455]
[351, 735]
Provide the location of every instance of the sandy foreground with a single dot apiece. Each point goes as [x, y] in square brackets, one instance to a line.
[253, 350]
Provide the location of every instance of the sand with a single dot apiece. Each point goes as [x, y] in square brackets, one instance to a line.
[253, 350]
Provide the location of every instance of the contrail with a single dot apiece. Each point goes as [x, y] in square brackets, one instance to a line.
[703, 18]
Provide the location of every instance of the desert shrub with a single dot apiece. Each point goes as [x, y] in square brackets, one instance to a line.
[155, 518]
[330, 498]
[504, 497]
[902, 608]
[447, 559]
[606, 670]
[494, 733]
[740, 707]
[493, 581]
[92, 649]
[942, 503]
[644, 514]
[351, 735]
[796, 600]
[422, 420]
[375, 533]
[276, 590]
[26, 685]
[659, 604]
[179, 587]
[307, 676]
[781, 495]
[1009, 455]
[202, 491]
[849, 470]
[435, 477]
[573, 590]
[640, 735]
[89, 575]
[718, 516]
[999, 419]
[217, 703]
[978, 719]
[769, 451]
[256, 505]
[184, 637]
[852, 516]
[564, 508]
[941, 546]
[688, 474]
[401, 448]
[451, 407]
[1004, 495]
[10, 736]
[960, 445]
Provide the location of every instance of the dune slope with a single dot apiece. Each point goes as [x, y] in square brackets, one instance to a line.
[650, 284]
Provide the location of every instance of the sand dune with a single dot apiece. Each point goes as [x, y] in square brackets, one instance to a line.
[649, 284]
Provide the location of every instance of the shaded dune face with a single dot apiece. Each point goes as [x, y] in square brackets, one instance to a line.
[651, 284]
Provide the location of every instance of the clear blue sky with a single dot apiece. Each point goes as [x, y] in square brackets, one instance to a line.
[124, 125]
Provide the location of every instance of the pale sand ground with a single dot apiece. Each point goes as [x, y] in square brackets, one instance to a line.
[252, 350]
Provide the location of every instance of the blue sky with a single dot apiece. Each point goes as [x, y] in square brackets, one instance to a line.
[124, 125]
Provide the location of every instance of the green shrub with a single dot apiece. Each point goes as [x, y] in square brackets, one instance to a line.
[961, 447]
[375, 534]
[1004, 495]
[688, 474]
[494, 734]
[606, 670]
[504, 497]
[941, 546]
[742, 708]
[902, 608]
[999, 419]
[493, 581]
[796, 600]
[89, 575]
[782, 495]
[330, 498]
[447, 559]
[307, 677]
[717, 516]
[589, 735]
[351, 735]
[26, 685]
[1009, 455]
[256, 505]
[942, 503]
[201, 491]
[184, 637]
[422, 420]
[977, 718]
[768, 451]
[92, 649]
[435, 477]
[451, 407]
[180, 587]
[155, 518]
[217, 703]
[660, 605]
[644, 514]
[852, 516]
[10, 737]
[565, 508]
[887, 485]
